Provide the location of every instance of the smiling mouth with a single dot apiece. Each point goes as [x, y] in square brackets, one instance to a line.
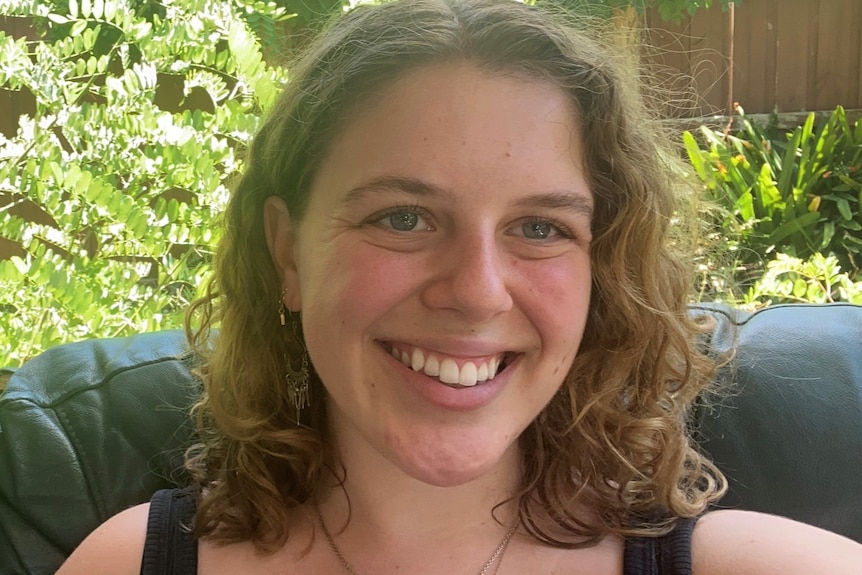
[453, 372]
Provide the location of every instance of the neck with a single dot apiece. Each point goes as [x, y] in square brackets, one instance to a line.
[384, 517]
[439, 545]
[378, 495]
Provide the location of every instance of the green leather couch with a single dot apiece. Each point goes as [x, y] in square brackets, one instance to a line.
[90, 428]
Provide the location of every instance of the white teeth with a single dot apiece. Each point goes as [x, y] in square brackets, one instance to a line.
[447, 370]
[417, 360]
[469, 374]
[482, 373]
[432, 366]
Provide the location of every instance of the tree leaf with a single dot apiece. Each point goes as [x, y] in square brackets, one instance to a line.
[78, 27]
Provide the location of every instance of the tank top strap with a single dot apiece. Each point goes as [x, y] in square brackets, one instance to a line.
[170, 548]
[669, 554]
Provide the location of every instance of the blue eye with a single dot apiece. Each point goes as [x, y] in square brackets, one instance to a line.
[538, 230]
[402, 221]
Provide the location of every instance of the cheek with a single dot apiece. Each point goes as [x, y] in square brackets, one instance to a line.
[561, 283]
[357, 283]
[558, 298]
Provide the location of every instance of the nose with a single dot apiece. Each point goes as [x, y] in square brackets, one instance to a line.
[470, 277]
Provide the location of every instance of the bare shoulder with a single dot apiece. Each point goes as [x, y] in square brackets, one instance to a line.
[115, 548]
[749, 543]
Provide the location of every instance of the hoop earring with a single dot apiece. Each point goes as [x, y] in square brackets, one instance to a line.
[297, 380]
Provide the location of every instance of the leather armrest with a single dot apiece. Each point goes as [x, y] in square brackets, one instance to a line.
[789, 435]
[86, 430]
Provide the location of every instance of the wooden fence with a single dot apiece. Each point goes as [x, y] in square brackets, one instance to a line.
[788, 55]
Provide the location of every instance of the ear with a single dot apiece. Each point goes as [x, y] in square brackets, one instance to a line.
[281, 237]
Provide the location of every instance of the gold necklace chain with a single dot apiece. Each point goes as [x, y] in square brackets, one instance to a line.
[495, 559]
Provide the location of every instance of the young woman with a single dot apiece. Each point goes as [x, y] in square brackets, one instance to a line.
[453, 333]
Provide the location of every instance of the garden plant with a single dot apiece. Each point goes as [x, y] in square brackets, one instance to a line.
[786, 205]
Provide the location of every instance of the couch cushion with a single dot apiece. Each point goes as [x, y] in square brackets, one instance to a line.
[789, 436]
[86, 430]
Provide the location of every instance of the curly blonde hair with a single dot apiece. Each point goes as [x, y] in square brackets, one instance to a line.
[614, 438]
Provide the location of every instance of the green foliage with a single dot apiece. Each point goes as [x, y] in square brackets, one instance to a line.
[676, 10]
[792, 280]
[799, 195]
[110, 187]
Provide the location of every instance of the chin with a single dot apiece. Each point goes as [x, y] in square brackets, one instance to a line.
[455, 467]
[447, 477]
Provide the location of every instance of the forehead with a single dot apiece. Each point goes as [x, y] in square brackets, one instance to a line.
[471, 93]
[457, 125]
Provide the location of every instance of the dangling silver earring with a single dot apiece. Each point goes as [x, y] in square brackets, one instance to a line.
[297, 384]
[296, 379]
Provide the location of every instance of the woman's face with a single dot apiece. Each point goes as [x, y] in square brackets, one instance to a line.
[442, 269]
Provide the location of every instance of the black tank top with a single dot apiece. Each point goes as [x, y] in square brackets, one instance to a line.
[170, 548]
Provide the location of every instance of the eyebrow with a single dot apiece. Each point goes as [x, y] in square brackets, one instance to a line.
[411, 186]
[568, 200]
[571, 201]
